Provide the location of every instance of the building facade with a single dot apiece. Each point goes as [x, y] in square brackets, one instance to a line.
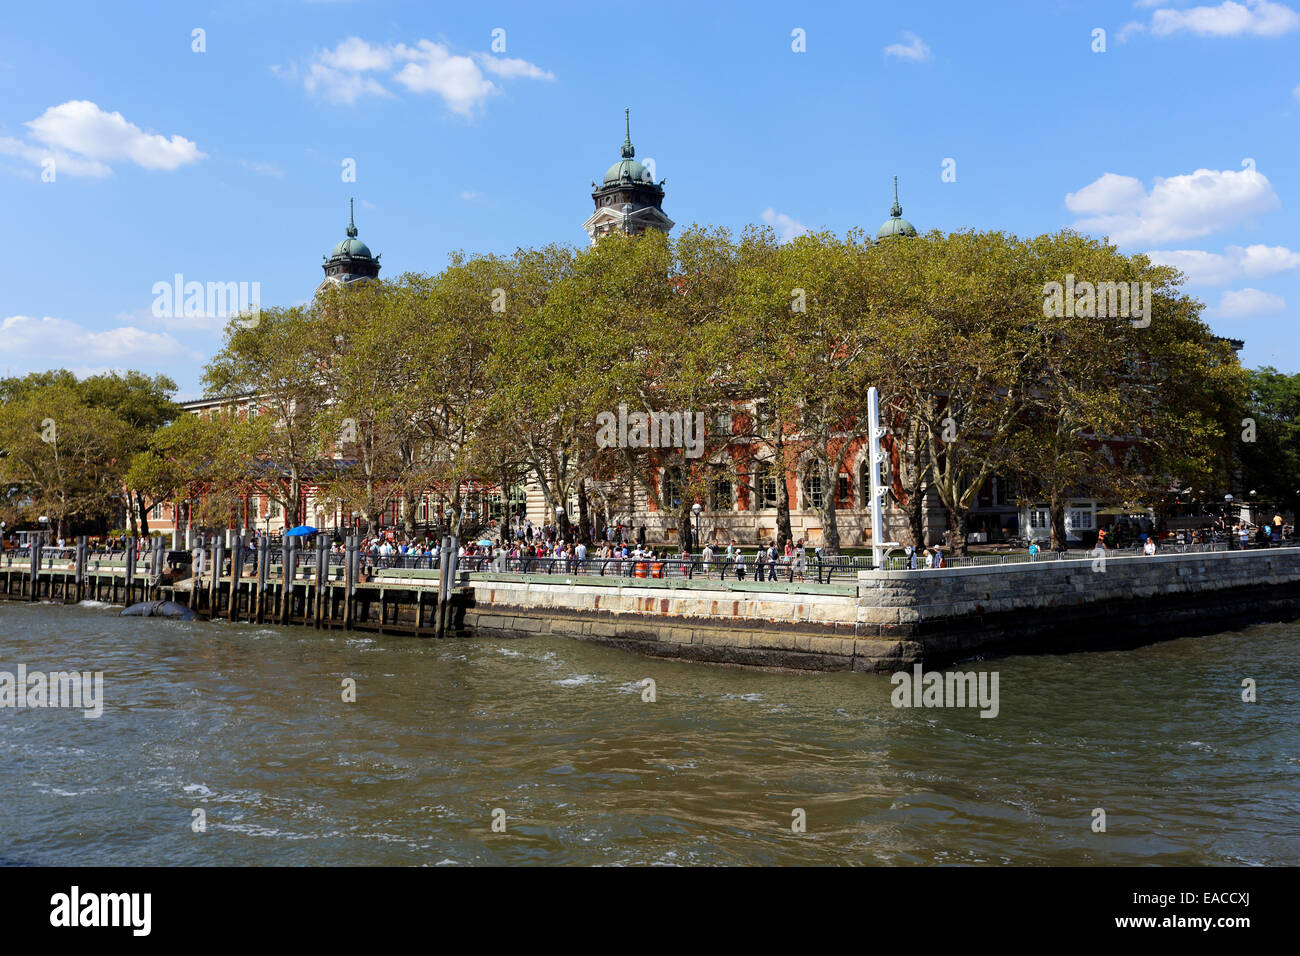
[742, 507]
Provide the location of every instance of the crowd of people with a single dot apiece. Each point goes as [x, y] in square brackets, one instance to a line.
[544, 551]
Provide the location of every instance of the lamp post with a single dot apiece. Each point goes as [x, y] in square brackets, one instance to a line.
[559, 522]
[695, 510]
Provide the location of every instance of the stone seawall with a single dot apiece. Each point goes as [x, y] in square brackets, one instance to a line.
[892, 619]
[799, 627]
[1079, 604]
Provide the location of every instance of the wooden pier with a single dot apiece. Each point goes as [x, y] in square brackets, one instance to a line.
[323, 598]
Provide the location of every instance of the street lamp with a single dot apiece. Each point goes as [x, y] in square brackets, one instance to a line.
[695, 510]
[559, 521]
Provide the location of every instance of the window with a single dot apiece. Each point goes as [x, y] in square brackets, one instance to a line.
[722, 423]
[844, 491]
[724, 498]
[765, 486]
[518, 500]
[157, 511]
[1004, 491]
[272, 508]
[1080, 520]
[813, 490]
[672, 488]
[1038, 519]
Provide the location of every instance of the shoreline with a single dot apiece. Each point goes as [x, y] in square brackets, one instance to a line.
[886, 621]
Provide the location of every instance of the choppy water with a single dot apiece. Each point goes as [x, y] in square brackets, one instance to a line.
[247, 723]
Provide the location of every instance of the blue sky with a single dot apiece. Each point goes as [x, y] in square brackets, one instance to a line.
[226, 165]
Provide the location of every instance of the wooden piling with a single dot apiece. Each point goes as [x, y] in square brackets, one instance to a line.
[322, 583]
[130, 570]
[236, 568]
[349, 579]
[83, 546]
[36, 539]
[263, 559]
[214, 594]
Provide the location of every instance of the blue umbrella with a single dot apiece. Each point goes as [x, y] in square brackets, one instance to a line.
[301, 531]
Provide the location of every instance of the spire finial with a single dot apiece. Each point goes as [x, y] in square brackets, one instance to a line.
[628, 151]
[352, 225]
[896, 211]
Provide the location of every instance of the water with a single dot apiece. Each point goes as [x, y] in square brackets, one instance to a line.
[247, 723]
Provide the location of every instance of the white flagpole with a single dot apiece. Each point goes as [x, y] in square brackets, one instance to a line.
[875, 458]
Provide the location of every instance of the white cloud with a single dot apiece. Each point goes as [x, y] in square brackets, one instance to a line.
[262, 169]
[83, 139]
[787, 227]
[914, 50]
[355, 69]
[511, 67]
[341, 86]
[1296, 92]
[35, 344]
[1176, 207]
[1129, 29]
[1228, 19]
[1235, 262]
[82, 128]
[1245, 303]
[468, 194]
[63, 162]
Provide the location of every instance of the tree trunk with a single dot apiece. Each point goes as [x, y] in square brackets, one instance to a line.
[584, 515]
[784, 531]
[956, 533]
[144, 515]
[685, 526]
[914, 507]
[408, 515]
[830, 522]
[1056, 513]
[915, 511]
